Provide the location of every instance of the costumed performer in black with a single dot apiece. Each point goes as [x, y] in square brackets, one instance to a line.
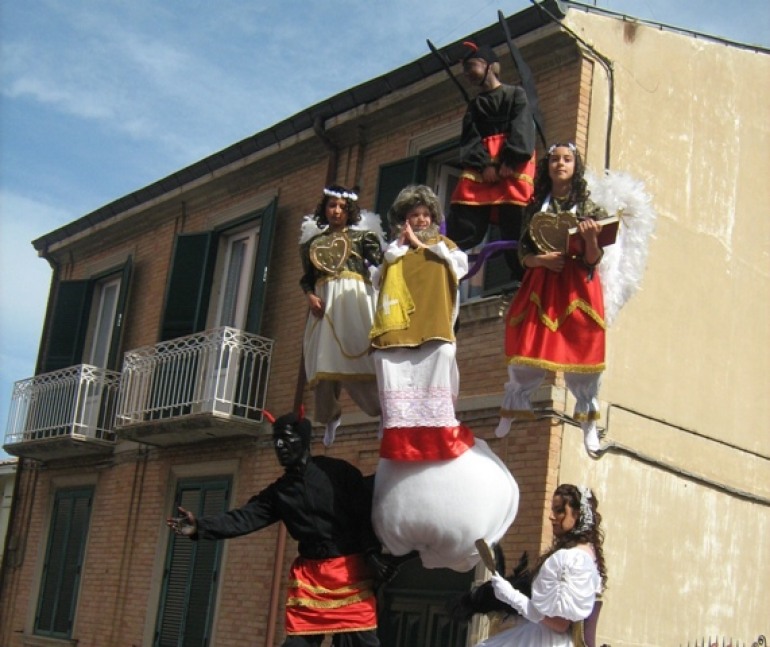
[325, 504]
[337, 253]
[497, 153]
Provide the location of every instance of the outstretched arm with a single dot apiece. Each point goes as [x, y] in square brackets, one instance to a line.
[185, 525]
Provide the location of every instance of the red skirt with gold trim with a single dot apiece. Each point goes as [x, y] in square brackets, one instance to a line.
[332, 595]
[556, 321]
[518, 189]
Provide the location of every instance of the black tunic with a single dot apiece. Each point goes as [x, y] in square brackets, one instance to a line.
[326, 507]
[503, 110]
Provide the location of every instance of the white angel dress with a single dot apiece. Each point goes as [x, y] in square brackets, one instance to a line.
[566, 587]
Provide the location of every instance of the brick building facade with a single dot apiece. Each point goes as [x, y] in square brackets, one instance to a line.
[392, 130]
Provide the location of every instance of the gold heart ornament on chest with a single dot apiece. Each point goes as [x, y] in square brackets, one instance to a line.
[329, 253]
[549, 231]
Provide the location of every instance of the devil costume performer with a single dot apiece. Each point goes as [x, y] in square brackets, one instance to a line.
[325, 504]
[498, 129]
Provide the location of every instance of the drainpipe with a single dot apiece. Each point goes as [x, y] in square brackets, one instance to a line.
[5, 562]
[608, 65]
[280, 542]
[319, 128]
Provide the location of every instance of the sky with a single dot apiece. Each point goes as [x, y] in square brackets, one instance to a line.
[99, 98]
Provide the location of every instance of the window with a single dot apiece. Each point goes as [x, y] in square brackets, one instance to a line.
[438, 168]
[103, 313]
[85, 321]
[236, 261]
[63, 563]
[190, 578]
[219, 277]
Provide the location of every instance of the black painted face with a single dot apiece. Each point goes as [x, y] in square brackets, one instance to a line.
[290, 447]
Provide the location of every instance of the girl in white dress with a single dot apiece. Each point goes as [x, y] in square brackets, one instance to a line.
[337, 250]
[567, 579]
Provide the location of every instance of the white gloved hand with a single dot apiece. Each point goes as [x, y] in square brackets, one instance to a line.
[505, 592]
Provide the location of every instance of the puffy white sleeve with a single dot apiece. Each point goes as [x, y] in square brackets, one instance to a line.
[566, 585]
[456, 259]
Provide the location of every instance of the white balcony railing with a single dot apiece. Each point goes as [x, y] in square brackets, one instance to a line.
[77, 402]
[222, 372]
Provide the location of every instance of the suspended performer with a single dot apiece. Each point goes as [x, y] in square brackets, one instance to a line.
[337, 252]
[497, 154]
[437, 488]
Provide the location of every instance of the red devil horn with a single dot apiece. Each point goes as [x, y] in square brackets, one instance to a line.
[270, 417]
[471, 45]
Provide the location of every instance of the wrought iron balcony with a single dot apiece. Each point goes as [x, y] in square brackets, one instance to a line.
[206, 385]
[65, 413]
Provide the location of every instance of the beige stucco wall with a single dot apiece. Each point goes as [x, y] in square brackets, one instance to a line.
[686, 502]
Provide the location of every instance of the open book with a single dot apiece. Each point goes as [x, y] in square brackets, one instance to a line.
[609, 232]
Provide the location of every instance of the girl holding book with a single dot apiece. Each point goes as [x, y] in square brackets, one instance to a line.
[556, 320]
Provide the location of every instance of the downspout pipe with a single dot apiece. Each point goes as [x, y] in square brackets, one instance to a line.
[608, 66]
[319, 128]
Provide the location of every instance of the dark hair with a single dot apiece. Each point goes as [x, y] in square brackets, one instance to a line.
[593, 535]
[578, 193]
[300, 425]
[354, 211]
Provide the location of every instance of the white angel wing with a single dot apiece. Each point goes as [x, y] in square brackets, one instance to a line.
[369, 221]
[622, 268]
[308, 229]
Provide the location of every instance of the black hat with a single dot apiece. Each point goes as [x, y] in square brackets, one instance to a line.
[483, 52]
[298, 423]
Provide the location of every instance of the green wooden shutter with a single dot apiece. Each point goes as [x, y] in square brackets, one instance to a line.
[259, 280]
[63, 563]
[68, 320]
[392, 178]
[189, 285]
[192, 569]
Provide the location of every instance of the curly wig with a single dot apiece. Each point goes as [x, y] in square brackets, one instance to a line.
[414, 195]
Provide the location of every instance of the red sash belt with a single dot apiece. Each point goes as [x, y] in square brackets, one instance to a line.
[517, 189]
[425, 443]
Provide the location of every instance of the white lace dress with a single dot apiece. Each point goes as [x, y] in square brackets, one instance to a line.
[566, 587]
[437, 507]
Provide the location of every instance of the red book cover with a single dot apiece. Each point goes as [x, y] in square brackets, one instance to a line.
[607, 236]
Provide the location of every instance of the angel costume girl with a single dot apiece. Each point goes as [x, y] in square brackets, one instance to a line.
[566, 585]
[557, 320]
[336, 262]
